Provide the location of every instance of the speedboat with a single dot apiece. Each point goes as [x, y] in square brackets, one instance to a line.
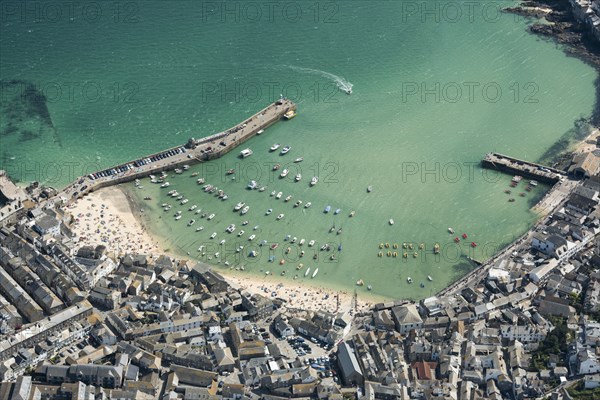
[337, 211]
[275, 146]
[269, 211]
[245, 210]
[391, 221]
[251, 237]
[245, 223]
[198, 229]
[192, 208]
[294, 239]
[192, 221]
[164, 185]
[276, 167]
[301, 242]
[299, 159]
[352, 213]
[214, 235]
[211, 216]
[285, 150]
[298, 177]
[230, 228]
[409, 279]
[288, 198]
[177, 217]
[280, 216]
[429, 277]
[289, 115]
[279, 195]
[184, 201]
[311, 243]
[314, 180]
[252, 185]
[284, 173]
[200, 181]
[230, 171]
[260, 132]
[273, 193]
[307, 204]
[240, 233]
[451, 230]
[298, 203]
[239, 206]
[327, 209]
[262, 188]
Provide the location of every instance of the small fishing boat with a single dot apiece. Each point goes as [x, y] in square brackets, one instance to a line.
[299, 159]
[369, 189]
[429, 278]
[272, 193]
[337, 211]
[240, 233]
[360, 282]
[339, 231]
[409, 279]
[311, 243]
[280, 217]
[301, 242]
[239, 206]
[473, 244]
[464, 235]
[214, 235]
[230, 171]
[284, 173]
[276, 167]
[307, 204]
[260, 132]
[198, 229]
[436, 248]
[200, 181]
[298, 203]
[457, 239]
[352, 213]
[285, 150]
[332, 229]
[315, 273]
[251, 238]
[288, 198]
[298, 177]
[451, 231]
[299, 266]
[192, 208]
[307, 272]
[391, 221]
[314, 180]
[369, 287]
[244, 210]
[178, 217]
[211, 216]
[274, 246]
[278, 196]
[262, 188]
[294, 239]
[327, 209]
[269, 211]
[192, 221]
[245, 223]
[340, 247]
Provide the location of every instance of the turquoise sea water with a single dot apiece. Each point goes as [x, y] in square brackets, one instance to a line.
[432, 93]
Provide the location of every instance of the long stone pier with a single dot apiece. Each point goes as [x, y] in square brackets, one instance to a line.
[192, 152]
[523, 168]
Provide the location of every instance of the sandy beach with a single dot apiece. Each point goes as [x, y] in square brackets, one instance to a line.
[106, 217]
[588, 144]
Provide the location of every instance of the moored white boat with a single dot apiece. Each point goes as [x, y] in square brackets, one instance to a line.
[314, 180]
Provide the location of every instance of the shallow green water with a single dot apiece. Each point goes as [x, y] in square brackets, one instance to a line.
[412, 128]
